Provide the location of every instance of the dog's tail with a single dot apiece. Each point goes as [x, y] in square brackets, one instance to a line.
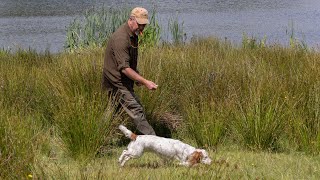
[129, 134]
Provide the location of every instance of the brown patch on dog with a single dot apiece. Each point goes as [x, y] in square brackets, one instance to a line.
[195, 158]
[133, 137]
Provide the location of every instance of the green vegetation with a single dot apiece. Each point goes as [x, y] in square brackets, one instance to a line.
[264, 100]
[256, 108]
[94, 28]
[176, 30]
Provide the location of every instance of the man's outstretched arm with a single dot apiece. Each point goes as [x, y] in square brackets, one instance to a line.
[130, 73]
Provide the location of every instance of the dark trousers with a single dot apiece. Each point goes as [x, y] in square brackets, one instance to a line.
[132, 106]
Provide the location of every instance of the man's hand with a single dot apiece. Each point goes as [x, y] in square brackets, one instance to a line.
[150, 85]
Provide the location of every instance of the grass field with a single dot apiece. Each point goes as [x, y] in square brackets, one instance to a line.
[255, 108]
[229, 163]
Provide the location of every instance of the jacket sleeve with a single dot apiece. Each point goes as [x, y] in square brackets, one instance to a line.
[121, 53]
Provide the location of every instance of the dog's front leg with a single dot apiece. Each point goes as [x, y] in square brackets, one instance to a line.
[126, 158]
[122, 156]
[184, 163]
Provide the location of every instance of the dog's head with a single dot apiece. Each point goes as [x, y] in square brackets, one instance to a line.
[205, 157]
[199, 156]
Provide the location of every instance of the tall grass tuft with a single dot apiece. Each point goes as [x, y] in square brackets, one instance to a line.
[20, 136]
[206, 123]
[306, 121]
[85, 124]
[22, 85]
[83, 112]
[259, 124]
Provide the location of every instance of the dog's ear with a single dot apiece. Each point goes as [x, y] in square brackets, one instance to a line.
[204, 152]
[133, 137]
[195, 157]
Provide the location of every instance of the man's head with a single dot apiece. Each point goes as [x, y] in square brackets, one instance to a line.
[140, 14]
[138, 20]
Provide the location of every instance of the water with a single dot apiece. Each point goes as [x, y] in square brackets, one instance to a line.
[41, 24]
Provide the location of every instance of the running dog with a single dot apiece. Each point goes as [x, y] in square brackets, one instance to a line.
[165, 147]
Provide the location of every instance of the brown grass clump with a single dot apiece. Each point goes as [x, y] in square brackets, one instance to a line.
[171, 120]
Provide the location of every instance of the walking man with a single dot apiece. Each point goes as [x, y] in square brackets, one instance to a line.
[120, 68]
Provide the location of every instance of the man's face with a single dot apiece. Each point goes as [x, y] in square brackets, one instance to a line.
[138, 28]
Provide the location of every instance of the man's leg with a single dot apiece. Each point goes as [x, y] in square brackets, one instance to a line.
[131, 104]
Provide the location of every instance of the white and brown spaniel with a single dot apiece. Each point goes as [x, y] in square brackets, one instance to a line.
[165, 147]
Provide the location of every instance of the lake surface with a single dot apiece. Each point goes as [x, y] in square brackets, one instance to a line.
[41, 24]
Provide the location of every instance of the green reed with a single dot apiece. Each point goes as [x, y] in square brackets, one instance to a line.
[94, 28]
[176, 29]
[294, 42]
[97, 24]
[253, 42]
[151, 34]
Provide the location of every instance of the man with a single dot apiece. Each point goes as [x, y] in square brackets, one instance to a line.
[120, 68]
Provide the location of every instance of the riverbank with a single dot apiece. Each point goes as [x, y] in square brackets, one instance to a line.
[42, 25]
